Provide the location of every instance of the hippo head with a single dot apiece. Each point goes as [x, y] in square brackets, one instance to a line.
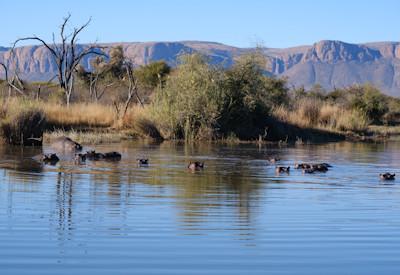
[78, 147]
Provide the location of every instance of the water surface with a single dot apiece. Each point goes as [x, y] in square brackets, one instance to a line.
[235, 217]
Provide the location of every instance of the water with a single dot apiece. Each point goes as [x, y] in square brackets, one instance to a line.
[235, 217]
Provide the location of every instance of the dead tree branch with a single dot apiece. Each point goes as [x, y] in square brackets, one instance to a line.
[66, 54]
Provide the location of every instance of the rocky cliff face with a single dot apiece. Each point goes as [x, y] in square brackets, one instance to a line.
[329, 63]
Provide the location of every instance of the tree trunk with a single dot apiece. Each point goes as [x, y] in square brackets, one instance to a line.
[69, 90]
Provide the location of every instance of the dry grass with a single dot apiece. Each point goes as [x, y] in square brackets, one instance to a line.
[385, 130]
[91, 137]
[86, 123]
[311, 113]
[79, 115]
[139, 119]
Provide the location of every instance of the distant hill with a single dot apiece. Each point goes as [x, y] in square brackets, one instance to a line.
[328, 63]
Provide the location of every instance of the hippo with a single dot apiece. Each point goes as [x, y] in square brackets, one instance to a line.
[111, 156]
[308, 171]
[65, 144]
[196, 165]
[92, 155]
[317, 167]
[387, 176]
[320, 167]
[302, 166]
[274, 160]
[282, 169]
[80, 158]
[51, 159]
[142, 162]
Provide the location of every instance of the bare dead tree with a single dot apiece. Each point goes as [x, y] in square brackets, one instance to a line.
[133, 91]
[13, 82]
[96, 92]
[132, 86]
[66, 54]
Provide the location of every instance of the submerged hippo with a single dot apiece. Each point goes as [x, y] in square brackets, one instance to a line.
[311, 168]
[65, 144]
[93, 155]
[273, 160]
[387, 176]
[51, 159]
[142, 162]
[282, 169]
[302, 165]
[80, 158]
[112, 156]
[196, 165]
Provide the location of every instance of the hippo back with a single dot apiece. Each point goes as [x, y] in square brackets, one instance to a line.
[65, 144]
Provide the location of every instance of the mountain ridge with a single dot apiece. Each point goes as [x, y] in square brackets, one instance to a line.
[330, 63]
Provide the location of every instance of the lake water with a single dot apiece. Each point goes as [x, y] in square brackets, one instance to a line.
[235, 217]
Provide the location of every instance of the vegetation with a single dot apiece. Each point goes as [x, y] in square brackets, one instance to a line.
[194, 101]
[23, 126]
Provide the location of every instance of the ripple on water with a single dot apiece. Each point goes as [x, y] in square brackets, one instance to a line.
[235, 217]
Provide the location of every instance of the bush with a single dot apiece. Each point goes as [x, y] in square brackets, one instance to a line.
[248, 97]
[190, 101]
[371, 102]
[147, 128]
[25, 128]
[200, 101]
[309, 111]
[352, 120]
[391, 118]
[152, 75]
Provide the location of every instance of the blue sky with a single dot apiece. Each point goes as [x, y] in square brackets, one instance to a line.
[246, 23]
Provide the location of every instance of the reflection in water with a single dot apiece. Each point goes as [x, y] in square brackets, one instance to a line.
[233, 217]
[64, 197]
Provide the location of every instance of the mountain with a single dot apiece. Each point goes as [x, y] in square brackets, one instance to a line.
[328, 63]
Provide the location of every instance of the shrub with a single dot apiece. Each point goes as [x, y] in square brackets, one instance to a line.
[371, 102]
[191, 99]
[352, 120]
[24, 128]
[248, 97]
[309, 111]
[391, 118]
[147, 128]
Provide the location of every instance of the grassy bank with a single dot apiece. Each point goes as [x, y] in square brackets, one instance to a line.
[97, 123]
[316, 114]
[90, 123]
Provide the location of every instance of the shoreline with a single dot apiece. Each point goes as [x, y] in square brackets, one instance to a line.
[94, 136]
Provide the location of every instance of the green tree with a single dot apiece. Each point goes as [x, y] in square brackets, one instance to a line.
[189, 105]
[152, 75]
[249, 95]
[371, 102]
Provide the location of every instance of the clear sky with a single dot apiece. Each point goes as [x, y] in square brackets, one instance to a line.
[243, 23]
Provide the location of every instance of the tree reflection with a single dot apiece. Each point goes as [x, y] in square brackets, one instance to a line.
[20, 159]
[64, 201]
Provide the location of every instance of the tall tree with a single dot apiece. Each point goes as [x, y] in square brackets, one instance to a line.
[66, 54]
